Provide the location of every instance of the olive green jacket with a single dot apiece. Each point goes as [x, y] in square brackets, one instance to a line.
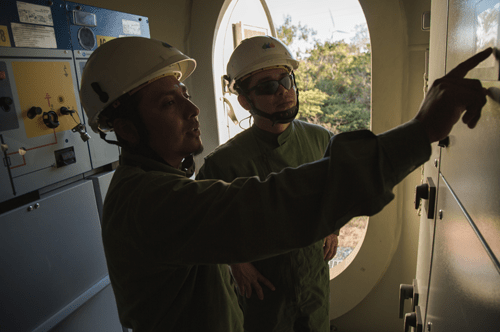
[301, 276]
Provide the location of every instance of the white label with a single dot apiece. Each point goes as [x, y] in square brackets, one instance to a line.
[35, 14]
[131, 27]
[26, 35]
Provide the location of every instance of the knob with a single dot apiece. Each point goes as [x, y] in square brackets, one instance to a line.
[65, 111]
[51, 119]
[33, 112]
[5, 102]
[445, 142]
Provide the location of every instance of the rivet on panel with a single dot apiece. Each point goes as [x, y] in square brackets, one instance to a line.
[30, 208]
[37, 205]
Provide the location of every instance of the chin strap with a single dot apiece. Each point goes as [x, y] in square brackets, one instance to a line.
[285, 116]
[278, 117]
[188, 165]
[102, 134]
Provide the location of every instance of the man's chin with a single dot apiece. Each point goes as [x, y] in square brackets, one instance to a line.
[199, 151]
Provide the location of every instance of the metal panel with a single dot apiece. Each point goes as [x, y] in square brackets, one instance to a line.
[48, 84]
[464, 293]
[22, 14]
[471, 164]
[40, 78]
[473, 26]
[98, 314]
[459, 261]
[101, 184]
[426, 235]
[109, 24]
[50, 256]
[431, 169]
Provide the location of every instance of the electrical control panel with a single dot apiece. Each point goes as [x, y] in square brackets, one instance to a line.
[54, 170]
[44, 46]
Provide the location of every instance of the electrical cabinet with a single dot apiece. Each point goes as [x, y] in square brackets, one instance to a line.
[457, 287]
[51, 254]
[54, 174]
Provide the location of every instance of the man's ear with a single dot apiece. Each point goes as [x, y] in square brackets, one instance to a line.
[244, 102]
[126, 129]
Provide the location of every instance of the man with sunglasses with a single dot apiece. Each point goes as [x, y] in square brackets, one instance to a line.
[290, 291]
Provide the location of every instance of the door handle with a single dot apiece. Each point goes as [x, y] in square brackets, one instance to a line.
[414, 319]
[408, 292]
[427, 192]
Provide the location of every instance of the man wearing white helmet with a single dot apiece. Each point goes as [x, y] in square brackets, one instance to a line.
[166, 236]
[289, 292]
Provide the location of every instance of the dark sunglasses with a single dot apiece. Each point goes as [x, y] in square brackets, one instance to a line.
[270, 87]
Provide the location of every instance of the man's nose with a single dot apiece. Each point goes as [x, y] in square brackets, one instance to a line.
[282, 90]
[192, 110]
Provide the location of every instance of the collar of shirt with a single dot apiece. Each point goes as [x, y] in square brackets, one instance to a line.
[147, 164]
[272, 140]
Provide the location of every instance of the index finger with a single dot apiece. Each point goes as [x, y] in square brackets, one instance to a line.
[463, 68]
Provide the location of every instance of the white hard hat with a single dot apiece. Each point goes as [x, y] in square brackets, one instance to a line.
[123, 64]
[256, 53]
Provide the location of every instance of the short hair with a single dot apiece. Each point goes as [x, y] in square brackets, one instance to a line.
[130, 111]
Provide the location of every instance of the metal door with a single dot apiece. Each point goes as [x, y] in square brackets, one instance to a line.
[458, 271]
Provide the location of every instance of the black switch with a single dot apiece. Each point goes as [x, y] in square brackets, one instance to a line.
[33, 112]
[65, 111]
[65, 157]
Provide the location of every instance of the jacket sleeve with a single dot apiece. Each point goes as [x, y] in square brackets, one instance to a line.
[210, 221]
